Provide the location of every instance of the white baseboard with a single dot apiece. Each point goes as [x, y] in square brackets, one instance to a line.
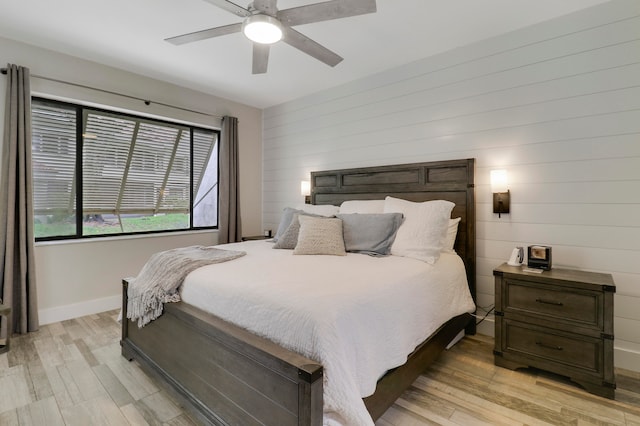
[456, 339]
[61, 313]
[626, 358]
[487, 327]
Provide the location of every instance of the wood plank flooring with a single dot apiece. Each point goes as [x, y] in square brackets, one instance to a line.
[71, 373]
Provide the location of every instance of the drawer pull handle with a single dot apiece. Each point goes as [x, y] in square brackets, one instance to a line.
[544, 345]
[549, 302]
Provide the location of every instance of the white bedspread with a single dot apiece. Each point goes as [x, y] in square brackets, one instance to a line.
[357, 315]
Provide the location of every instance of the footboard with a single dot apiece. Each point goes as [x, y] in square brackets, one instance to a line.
[223, 373]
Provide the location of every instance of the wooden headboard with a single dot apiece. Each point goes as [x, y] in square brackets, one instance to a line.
[451, 180]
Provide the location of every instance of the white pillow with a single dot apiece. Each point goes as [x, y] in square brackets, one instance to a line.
[424, 228]
[327, 210]
[320, 236]
[362, 206]
[450, 237]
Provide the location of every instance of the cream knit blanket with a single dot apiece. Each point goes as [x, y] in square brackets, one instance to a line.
[161, 276]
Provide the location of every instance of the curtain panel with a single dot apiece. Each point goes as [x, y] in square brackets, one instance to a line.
[229, 224]
[17, 269]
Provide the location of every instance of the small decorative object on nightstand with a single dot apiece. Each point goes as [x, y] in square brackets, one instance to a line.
[560, 321]
[5, 313]
[539, 257]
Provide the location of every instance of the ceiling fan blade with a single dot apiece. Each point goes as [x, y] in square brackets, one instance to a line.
[310, 47]
[230, 7]
[205, 34]
[267, 7]
[260, 58]
[325, 11]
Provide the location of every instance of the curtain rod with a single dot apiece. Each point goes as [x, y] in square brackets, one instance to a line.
[146, 101]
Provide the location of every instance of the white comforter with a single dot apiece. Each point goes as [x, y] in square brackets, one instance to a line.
[358, 316]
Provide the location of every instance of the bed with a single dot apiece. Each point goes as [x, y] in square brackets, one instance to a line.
[224, 374]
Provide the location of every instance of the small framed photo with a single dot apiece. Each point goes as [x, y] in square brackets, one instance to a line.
[539, 257]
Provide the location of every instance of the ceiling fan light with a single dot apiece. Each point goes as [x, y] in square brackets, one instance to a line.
[262, 29]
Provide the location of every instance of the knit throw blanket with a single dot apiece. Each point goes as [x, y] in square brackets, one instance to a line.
[161, 276]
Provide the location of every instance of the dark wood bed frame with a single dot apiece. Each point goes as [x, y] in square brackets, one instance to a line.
[225, 375]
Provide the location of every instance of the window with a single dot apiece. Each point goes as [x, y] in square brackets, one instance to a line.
[100, 172]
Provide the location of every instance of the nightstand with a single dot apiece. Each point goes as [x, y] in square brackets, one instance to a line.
[560, 321]
[256, 237]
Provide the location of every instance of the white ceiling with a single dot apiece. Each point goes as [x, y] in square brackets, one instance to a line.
[129, 34]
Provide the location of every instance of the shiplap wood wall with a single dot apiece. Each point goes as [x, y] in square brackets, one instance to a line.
[556, 104]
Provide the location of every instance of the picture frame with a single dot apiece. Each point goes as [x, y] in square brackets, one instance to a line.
[539, 257]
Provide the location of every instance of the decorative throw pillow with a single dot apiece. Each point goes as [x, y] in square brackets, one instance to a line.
[320, 236]
[285, 221]
[450, 237]
[289, 237]
[362, 206]
[371, 234]
[423, 230]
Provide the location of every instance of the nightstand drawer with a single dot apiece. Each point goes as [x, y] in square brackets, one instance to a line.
[574, 351]
[560, 303]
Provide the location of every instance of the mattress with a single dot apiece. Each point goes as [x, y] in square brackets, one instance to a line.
[357, 315]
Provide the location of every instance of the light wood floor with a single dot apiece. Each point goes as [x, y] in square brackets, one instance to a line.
[71, 373]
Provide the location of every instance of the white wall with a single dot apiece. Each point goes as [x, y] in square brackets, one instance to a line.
[556, 104]
[84, 277]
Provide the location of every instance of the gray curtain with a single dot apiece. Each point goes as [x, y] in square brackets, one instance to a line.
[229, 225]
[17, 268]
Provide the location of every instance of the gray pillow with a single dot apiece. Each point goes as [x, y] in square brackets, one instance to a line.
[285, 221]
[289, 237]
[370, 233]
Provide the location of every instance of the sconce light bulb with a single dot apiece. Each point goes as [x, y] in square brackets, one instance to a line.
[498, 181]
[305, 188]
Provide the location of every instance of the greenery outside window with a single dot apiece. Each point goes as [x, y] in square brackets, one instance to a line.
[100, 172]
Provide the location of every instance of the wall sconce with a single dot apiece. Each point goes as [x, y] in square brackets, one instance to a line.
[305, 191]
[501, 195]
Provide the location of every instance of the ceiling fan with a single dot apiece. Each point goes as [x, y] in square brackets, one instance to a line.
[264, 24]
